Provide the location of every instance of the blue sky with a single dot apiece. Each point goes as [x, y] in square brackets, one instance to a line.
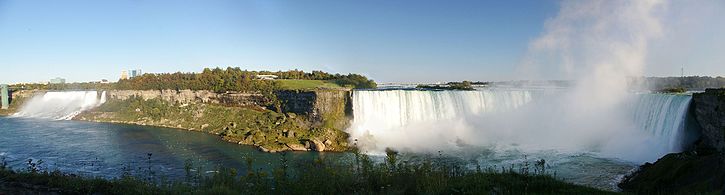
[390, 41]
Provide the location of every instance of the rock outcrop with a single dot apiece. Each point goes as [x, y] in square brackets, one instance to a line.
[332, 108]
[189, 96]
[679, 173]
[710, 113]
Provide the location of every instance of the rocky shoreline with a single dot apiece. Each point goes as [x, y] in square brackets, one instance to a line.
[312, 145]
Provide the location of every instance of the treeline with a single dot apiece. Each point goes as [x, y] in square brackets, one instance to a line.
[688, 82]
[465, 85]
[216, 79]
[236, 79]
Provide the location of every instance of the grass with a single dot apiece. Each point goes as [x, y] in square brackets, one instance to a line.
[292, 84]
[359, 175]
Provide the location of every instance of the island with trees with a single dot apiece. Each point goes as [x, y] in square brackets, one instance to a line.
[295, 111]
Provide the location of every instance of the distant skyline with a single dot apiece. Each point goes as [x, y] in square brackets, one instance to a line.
[389, 41]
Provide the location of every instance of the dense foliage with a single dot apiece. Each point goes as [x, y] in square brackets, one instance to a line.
[689, 82]
[235, 79]
[360, 175]
[217, 79]
[673, 90]
[465, 85]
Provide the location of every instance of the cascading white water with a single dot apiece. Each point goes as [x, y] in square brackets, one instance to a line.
[426, 121]
[663, 116]
[60, 105]
[378, 110]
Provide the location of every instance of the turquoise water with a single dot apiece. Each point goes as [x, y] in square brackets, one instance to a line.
[102, 149]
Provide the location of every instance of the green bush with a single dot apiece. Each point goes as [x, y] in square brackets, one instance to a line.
[359, 175]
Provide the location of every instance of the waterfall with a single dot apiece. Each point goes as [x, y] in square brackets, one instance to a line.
[662, 116]
[379, 110]
[60, 105]
[641, 127]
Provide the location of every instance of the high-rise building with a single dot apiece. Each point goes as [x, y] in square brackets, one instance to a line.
[135, 73]
[124, 75]
[57, 80]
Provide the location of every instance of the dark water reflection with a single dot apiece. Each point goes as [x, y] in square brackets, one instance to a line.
[101, 149]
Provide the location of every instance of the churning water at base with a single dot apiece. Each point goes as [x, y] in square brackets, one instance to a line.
[641, 128]
[61, 105]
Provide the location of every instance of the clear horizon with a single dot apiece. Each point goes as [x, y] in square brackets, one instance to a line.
[400, 41]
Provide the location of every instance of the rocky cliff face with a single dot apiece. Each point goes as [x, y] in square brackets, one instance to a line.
[189, 96]
[331, 108]
[710, 113]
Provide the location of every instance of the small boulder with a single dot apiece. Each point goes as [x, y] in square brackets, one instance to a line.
[204, 126]
[261, 148]
[308, 145]
[318, 145]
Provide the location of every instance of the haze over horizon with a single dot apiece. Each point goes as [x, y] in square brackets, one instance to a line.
[400, 41]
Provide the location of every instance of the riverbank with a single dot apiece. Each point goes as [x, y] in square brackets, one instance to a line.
[359, 176]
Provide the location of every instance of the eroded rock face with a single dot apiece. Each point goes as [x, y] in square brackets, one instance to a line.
[329, 107]
[189, 96]
[710, 113]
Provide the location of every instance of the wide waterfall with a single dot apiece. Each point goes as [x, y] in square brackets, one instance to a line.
[386, 110]
[60, 105]
[641, 128]
[663, 116]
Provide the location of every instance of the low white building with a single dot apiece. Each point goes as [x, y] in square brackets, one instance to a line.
[266, 77]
